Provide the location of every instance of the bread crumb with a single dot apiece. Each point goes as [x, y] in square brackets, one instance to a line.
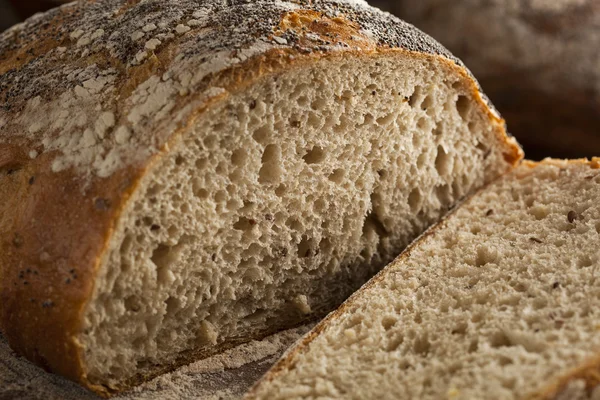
[149, 27]
[122, 135]
[181, 29]
[152, 44]
[76, 34]
[137, 35]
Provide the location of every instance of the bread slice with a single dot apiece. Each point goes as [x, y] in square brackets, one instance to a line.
[537, 54]
[179, 177]
[498, 301]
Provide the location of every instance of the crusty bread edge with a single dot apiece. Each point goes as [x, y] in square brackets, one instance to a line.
[589, 371]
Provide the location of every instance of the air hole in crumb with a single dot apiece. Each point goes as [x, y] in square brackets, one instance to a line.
[473, 346]
[394, 343]
[179, 160]
[133, 304]
[318, 104]
[210, 142]
[442, 162]
[314, 155]
[244, 224]
[221, 196]
[295, 122]
[337, 176]
[271, 171]
[414, 200]
[280, 191]
[325, 246]
[415, 98]
[427, 103]
[460, 328]
[388, 322]
[261, 135]
[154, 190]
[499, 339]
[320, 205]
[584, 261]
[422, 160]
[314, 121]
[443, 194]
[201, 163]
[423, 124]
[163, 257]
[293, 224]
[422, 345]
[463, 106]
[303, 101]
[199, 191]
[386, 120]
[239, 157]
[172, 304]
[305, 248]
[482, 147]
[147, 221]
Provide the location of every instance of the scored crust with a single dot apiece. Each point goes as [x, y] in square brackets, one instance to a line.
[588, 372]
[94, 92]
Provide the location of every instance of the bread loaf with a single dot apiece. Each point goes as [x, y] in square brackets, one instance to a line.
[537, 60]
[498, 301]
[179, 177]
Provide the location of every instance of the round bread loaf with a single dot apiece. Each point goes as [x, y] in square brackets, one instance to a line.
[178, 177]
[537, 60]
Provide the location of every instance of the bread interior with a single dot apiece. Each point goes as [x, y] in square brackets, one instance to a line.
[501, 301]
[283, 199]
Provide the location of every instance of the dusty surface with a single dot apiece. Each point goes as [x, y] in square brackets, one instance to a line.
[226, 376]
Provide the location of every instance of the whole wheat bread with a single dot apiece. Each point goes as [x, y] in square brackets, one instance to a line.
[177, 177]
[500, 300]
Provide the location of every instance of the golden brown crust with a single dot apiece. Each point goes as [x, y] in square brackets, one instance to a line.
[55, 223]
[48, 257]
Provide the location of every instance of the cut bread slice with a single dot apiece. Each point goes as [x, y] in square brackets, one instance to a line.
[207, 179]
[499, 301]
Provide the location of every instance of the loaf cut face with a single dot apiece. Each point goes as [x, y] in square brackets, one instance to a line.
[498, 301]
[279, 203]
[178, 177]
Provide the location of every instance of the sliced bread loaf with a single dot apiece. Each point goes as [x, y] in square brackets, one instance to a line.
[500, 300]
[181, 176]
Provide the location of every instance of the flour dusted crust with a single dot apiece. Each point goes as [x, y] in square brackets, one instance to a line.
[92, 92]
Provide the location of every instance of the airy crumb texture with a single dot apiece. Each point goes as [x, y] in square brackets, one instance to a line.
[225, 376]
[280, 202]
[498, 301]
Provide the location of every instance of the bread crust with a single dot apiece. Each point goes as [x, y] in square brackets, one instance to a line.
[589, 371]
[533, 58]
[58, 209]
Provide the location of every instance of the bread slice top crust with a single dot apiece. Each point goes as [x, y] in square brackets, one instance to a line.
[95, 91]
[497, 300]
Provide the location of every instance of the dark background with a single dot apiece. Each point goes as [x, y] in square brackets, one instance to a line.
[13, 11]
